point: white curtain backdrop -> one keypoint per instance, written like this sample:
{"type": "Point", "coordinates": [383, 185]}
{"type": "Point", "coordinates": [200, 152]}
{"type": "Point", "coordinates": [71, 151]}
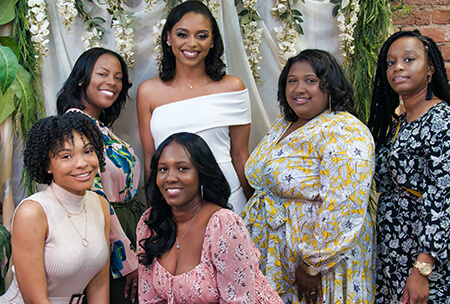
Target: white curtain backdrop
{"type": "Point", "coordinates": [319, 26]}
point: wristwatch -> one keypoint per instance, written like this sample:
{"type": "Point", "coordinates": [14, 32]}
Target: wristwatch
{"type": "Point", "coordinates": [424, 268]}
{"type": "Point", "coordinates": [310, 270]}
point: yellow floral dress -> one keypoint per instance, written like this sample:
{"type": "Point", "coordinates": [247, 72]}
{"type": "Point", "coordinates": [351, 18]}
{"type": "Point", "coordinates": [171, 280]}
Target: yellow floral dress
{"type": "Point", "coordinates": [310, 203]}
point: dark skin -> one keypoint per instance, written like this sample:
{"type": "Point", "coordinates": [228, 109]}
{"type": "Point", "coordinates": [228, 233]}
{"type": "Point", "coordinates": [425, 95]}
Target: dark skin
{"type": "Point", "coordinates": [309, 287]}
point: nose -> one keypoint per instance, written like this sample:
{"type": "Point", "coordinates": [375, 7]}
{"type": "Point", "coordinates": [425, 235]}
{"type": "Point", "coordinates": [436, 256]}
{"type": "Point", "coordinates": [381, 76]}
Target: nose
{"type": "Point", "coordinates": [191, 41]}
{"type": "Point", "coordinates": [80, 161]}
{"type": "Point", "coordinates": [171, 175]}
{"type": "Point", "coordinates": [111, 80]}
{"type": "Point", "coordinates": [398, 66]}
{"type": "Point", "coordinates": [300, 87]}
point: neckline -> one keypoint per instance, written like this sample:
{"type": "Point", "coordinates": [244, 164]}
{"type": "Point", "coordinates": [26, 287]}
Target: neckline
{"type": "Point", "coordinates": [287, 124]}
{"type": "Point", "coordinates": [201, 253]}
{"type": "Point", "coordinates": [198, 97]}
{"type": "Point", "coordinates": [403, 120]}
{"type": "Point", "coordinates": [72, 202]}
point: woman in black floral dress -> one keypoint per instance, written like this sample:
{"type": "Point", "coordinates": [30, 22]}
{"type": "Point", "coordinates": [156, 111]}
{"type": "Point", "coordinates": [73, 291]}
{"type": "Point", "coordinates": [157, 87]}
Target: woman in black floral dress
{"type": "Point", "coordinates": [412, 171]}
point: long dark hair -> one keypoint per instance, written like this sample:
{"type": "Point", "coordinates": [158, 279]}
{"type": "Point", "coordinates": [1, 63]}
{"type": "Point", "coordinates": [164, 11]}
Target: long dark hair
{"type": "Point", "coordinates": [385, 100]}
{"type": "Point", "coordinates": [49, 134]}
{"type": "Point", "coordinates": [215, 190]}
{"type": "Point", "coordinates": [76, 84]}
{"type": "Point", "coordinates": [332, 81]}
{"type": "Point", "coordinates": [214, 66]}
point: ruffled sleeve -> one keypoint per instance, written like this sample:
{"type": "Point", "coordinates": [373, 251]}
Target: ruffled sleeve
{"type": "Point", "coordinates": [234, 257]}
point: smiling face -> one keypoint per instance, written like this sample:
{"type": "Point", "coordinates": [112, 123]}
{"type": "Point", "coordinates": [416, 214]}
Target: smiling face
{"type": "Point", "coordinates": [75, 165]}
{"type": "Point", "coordinates": [191, 39]}
{"type": "Point", "coordinates": [177, 177]}
{"type": "Point", "coordinates": [105, 85]}
{"type": "Point", "coordinates": [303, 93]}
{"type": "Point", "coordinates": [407, 67]}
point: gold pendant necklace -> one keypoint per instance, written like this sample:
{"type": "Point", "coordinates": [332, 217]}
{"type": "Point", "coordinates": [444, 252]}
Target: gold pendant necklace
{"type": "Point", "coordinates": [191, 86]}
{"type": "Point", "coordinates": [196, 212]}
{"type": "Point", "coordinates": [84, 240]}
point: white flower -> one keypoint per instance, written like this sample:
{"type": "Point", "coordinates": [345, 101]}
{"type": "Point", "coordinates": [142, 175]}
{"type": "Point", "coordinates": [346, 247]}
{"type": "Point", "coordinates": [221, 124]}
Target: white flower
{"type": "Point", "coordinates": [37, 19]}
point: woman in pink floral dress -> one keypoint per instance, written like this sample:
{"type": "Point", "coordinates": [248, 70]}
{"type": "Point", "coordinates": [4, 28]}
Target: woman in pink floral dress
{"type": "Point", "coordinates": [192, 249]}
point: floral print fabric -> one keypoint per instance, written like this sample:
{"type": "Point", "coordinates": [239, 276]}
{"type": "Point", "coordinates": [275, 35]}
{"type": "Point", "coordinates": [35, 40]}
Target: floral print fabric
{"type": "Point", "coordinates": [310, 203]}
{"type": "Point", "coordinates": [413, 177]}
{"type": "Point", "coordinates": [228, 271]}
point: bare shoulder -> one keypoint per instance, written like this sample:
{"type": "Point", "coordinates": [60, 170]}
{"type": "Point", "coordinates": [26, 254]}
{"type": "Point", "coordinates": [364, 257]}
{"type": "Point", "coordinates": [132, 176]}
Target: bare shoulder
{"type": "Point", "coordinates": [231, 83]}
{"type": "Point", "coordinates": [30, 214]}
{"type": "Point", "coordinates": [151, 93]}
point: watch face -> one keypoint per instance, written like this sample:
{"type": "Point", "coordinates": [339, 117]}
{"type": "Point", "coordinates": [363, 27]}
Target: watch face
{"type": "Point", "coordinates": [426, 269]}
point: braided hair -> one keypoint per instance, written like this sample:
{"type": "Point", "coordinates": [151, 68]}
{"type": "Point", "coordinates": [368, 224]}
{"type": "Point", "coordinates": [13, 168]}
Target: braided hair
{"type": "Point", "coordinates": [385, 100]}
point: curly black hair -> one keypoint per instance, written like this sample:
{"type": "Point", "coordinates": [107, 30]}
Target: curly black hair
{"type": "Point", "coordinates": [215, 68]}
{"type": "Point", "coordinates": [215, 190]}
{"type": "Point", "coordinates": [76, 84]}
{"type": "Point", "coordinates": [385, 100]}
{"type": "Point", "coordinates": [49, 134]}
{"type": "Point", "coordinates": [332, 81]}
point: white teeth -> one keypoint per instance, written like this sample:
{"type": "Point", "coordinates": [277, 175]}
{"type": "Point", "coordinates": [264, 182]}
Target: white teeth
{"type": "Point", "coordinates": [173, 191]}
{"type": "Point", "coordinates": [82, 175]}
{"type": "Point", "coordinates": [109, 93]}
{"type": "Point", "coordinates": [190, 54]}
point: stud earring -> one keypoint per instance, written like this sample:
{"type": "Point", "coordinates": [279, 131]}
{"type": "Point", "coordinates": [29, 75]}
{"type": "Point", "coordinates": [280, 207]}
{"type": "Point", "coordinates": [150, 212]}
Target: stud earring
{"type": "Point", "coordinates": [212, 45]}
{"type": "Point", "coordinates": [80, 83]}
{"type": "Point", "coordinates": [429, 78]}
{"type": "Point", "coordinates": [168, 44]}
{"type": "Point", "coordinates": [49, 172]}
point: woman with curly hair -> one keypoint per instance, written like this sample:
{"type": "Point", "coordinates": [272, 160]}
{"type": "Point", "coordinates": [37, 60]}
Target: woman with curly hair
{"type": "Point", "coordinates": [412, 171]}
{"type": "Point", "coordinates": [193, 249]}
{"type": "Point", "coordinates": [60, 235]}
{"type": "Point", "coordinates": [312, 174]}
{"type": "Point", "coordinates": [98, 87]}
{"type": "Point", "coordinates": [193, 94]}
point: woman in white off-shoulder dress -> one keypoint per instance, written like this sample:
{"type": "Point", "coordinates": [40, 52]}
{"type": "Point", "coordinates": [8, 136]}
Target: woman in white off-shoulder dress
{"type": "Point", "coordinates": [194, 94]}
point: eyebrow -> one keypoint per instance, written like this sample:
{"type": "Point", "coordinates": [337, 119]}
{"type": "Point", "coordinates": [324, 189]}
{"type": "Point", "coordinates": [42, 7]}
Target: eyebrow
{"type": "Point", "coordinates": [107, 70]}
{"type": "Point", "coordinates": [186, 30]}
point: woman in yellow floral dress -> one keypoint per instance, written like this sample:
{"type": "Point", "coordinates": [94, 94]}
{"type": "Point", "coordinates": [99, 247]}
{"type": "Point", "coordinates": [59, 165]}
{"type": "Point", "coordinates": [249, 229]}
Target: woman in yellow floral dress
{"type": "Point", "coordinates": [312, 174]}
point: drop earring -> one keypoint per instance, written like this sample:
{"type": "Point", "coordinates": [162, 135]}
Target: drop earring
{"type": "Point", "coordinates": [329, 102]}
{"type": "Point", "coordinates": [201, 191]}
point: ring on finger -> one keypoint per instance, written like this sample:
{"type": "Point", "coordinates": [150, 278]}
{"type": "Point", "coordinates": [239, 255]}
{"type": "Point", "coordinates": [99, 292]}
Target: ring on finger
{"type": "Point", "coordinates": [134, 284]}
{"type": "Point", "coordinates": [312, 293]}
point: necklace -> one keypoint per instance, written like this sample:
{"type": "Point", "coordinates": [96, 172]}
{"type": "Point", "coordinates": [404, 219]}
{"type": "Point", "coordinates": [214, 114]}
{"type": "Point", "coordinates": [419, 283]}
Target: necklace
{"type": "Point", "coordinates": [84, 241]}
{"type": "Point", "coordinates": [184, 234]}
{"type": "Point", "coordinates": [191, 86]}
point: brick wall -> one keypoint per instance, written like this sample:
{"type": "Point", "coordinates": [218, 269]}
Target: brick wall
{"type": "Point", "coordinates": [432, 18]}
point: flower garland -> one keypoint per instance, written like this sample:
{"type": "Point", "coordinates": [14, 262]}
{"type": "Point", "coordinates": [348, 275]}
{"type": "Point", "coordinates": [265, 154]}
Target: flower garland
{"type": "Point", "coordinates": [288, 35]}
{"type": "Point", "coordinates": [37, 20]}
{"type": "Point", "coordinates": [347, 17]}
{"type": "Point", "coordinates": [95, 31]}
{"type": "Point", "coordinates": [157, 31]}
{"type": "Point", "coordinates": [122, 24]}
{"type": "Point", "coordinates": [68, 12]}
{"type": "Point", "coordinates": [248, 19]}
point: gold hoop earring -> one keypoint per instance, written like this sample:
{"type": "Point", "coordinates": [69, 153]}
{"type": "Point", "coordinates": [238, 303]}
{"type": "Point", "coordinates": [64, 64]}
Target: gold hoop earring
{"type": "Point", "coordinates": [329, 103]}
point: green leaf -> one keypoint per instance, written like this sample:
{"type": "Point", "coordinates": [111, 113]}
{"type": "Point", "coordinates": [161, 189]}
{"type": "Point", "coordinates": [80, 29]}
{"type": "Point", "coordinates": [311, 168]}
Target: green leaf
{"type": "Point", "coordinates": [5, 243]}
{"type": "Point", "coordinates": [335, 11]}
{"type": "Point", "coordinates": [11, 43]}
{"type": "Point", "coordinates": [335, 1]}
{"type": "Point", "coordinates": [98, 20]}
{"type": "Point", "coordinates": [7, 12]}
{"type": "Point", "coordinates": [236, 2]}
{"type": "Point", "coordinates": [8, 67]}
{"type": "Point", "coordinates": [298, 19]}
{"type": "Point", "coordinates": [7, 102]}
{"type": "Point", "coordinates": [284, 15]}
{"type": "Point", "coordinates": [296, 12]}
{"type": "Point", "coordinates": [298, 28]}
{"type": "Point", "coordinates": [256, 17]}
{"type": "Point", "coordinates": [23, 88]}
{"type": "Point", "coordinates": [243, 12]}
{"type": "Point", "coordinates": [295, 2]}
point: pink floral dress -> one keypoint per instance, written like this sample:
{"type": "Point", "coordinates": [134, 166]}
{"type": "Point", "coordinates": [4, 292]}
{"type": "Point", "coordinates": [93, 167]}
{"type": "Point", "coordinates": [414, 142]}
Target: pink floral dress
{"type": "Point", "coordinates": [228, 271]}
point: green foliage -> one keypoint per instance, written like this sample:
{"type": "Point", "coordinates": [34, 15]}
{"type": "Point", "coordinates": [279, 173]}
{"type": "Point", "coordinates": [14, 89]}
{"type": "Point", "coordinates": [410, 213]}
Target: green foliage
{"type": "Point", "coordinates": [90, 21]}
{"type": "Point", "coordinates": [7, 13]}
{"type": "Point", "coordinates": [8, 68]}
{"type": "Point", "coordinates": [5, 255]}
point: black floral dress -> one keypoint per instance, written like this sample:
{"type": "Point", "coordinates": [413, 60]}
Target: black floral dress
{"type": "Point", "coordinates": [413, 177]}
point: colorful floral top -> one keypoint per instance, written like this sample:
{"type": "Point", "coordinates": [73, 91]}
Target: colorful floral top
{"type": "Point", "coordinates": [118, 182]}
{"type": "Point", "coordinates": [228, 271]}
{"type": "Point", "coordinates": [310, 203]}
{"type": "Point", "coordinates": [413, 177]}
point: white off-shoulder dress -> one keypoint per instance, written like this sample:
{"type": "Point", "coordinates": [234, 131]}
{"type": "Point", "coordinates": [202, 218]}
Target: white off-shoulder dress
{"type": "Point", "coordinates": [210, 117]}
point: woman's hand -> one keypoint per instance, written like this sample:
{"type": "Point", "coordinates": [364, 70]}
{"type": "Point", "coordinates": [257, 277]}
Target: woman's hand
{"type": "Point", "coordinates": [131, 285]}
{"type": "Point", "coordinates": [417, 289]}
{"type": "Point", "coordinates": [309, 287]}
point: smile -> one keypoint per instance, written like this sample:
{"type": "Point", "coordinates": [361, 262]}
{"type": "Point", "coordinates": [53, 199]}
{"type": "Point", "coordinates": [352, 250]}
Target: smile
{"type": "Point", "coordinates": [190, 54]}
{"type": "Point", "coordinates": [173, 191]}
{"type": "Point", "coordinates": [301, 100]}
{"type": "Point", "coordinates": [400, 78]}
{"type": "Point", "coordinates": [107, 93]}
